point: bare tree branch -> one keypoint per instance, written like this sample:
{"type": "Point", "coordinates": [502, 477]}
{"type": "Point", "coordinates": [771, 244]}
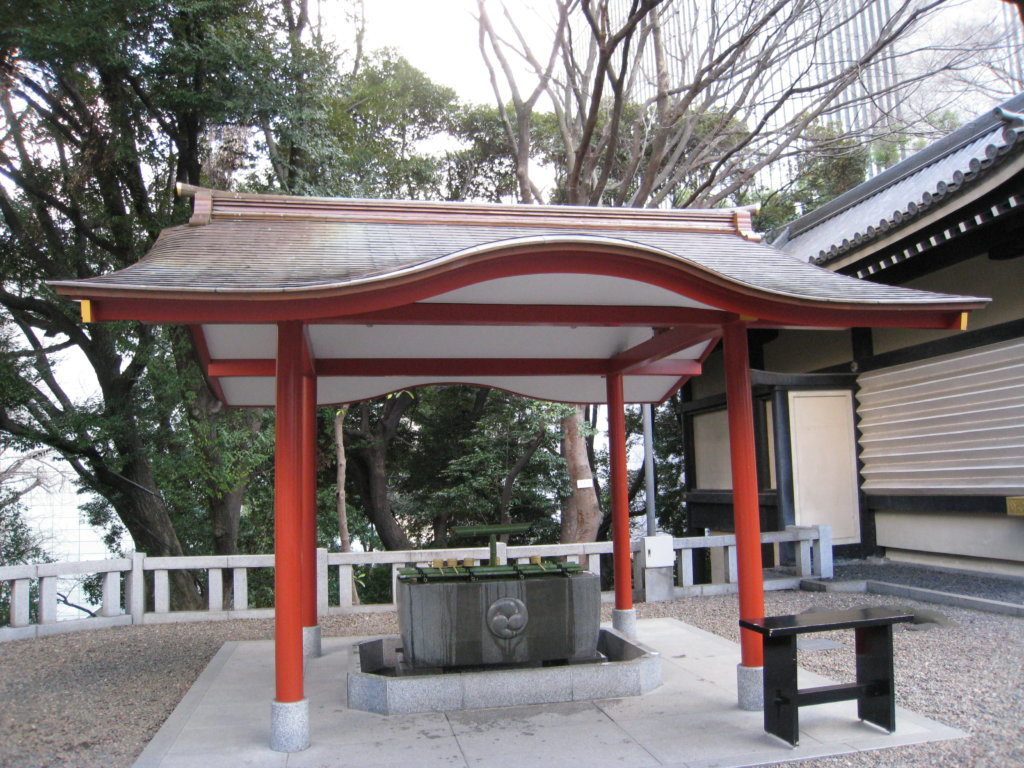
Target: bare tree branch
{"type": "Point", "coordinates": [690, 102]}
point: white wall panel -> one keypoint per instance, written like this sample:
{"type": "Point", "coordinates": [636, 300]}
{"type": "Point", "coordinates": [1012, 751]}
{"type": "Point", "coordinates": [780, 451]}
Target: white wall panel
{"type": "Point", "coordinates": [949, 425]}
{"type": "Point", "coordinates": [824, 462]}
{"type": "Point", "coordinates": [711, 442]}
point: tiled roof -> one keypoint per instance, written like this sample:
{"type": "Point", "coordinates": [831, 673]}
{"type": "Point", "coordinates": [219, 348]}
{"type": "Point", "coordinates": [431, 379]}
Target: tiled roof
{"type": "Point", "coordinates": [260, 244]}
{"type": "Point", "coordinates": [927, 181]}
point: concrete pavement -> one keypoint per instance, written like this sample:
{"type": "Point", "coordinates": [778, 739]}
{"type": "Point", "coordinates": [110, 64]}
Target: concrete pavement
{"type": "Point", "coordinates": [691, 721]}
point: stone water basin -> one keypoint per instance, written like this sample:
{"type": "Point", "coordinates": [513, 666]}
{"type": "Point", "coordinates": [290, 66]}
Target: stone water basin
{"type": "Point", "coordinates": [489, 621]}
{"type": "Point", "coordinates": [621, 667]}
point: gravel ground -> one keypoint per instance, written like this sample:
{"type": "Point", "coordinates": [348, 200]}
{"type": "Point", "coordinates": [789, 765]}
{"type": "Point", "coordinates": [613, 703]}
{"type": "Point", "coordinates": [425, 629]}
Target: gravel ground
{"type": "Point", "coordinates": [1005, 588]}
{"type": "Point", "coordinates": [94, 699]}
{"type": "Point", "coordinates": [965, 669]}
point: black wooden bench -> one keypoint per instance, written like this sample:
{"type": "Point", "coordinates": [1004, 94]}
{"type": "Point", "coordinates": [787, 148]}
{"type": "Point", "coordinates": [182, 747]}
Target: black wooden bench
{"type": "Point", "coordinates": [873, 690]}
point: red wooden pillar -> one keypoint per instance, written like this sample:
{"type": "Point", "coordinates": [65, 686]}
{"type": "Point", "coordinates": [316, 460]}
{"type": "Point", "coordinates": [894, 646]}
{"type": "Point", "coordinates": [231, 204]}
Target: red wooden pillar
{"type": "Point", "coordinates": [309, 615]}
{"type": "Point", "coordinates": [620, 494]}
{"type": "Point", "coordinates": [746, 510]}
{"type": "Point", "coordinates": [288, 515]}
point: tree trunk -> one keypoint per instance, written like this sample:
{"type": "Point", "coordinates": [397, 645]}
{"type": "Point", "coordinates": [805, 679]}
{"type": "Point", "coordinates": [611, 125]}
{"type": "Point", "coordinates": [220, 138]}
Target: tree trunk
{"type": "Point", "coordinates": [339, 452]}
{"type": "Point", "coordinates": [226, 511]}
{"type": "Point", "coordinates": [341, 500]}
{"type": "Point", "coordinates": [370, 472]}
{"type": "Point", "coordinates": [144, 514]}
{"type": "Point", "coordinates": [440, 527]}
{"type": "Point", "coordinates": [591, 416]}
{"type": "Point", "coordinates": [582, 515]}
{"type": "Point", "coordinates": [508, 484]}
{"type": "Point", "coordinates": [367, 457]}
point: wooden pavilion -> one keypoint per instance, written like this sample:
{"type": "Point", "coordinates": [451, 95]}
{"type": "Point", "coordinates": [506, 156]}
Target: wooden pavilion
{"type": "Point", "coordinates": [299, 302]}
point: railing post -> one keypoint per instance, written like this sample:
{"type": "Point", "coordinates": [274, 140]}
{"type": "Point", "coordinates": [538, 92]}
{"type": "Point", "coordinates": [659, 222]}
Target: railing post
{"type": "Point", "coordinates": [823, 552]}
{"type": "Point", "coordinates": [638, 573]}
{"type": "Point", "coordinates": [502, 551]}
{"type": "Point", "coordinates": [111, 594]}
{"type": "Point", "coordinates": [239, 588]}
{"type": "Point", "coordinates": [136, 588]}
{"type": "Point", "coordinates": [594, 564]}
{"type": "Point", "coordinates": [730, 565]}
{"type": "Point", "coordinates": [804, 558]}
{"type": "Point", "coordinates": [215, 588]}
{"type": "Point", "coordinates": [20, 590]}
{"type": "Point", "coordinates": [345, 573]}
{"type": "Point", "coordinates": [321, 582]}
{"type": "Point", "coordinates": [394, 582]}
{"type": "Point", "coordinates": [161, 592]}
{"type": "Point", "coordinates": [48, 600]}
{"type": "Point", "coordinates": [684, 559]}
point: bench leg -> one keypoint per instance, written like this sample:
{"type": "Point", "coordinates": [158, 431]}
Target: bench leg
{"type": "Point", "coordinates": [781, 713]}
{"type": "Point", "coordinates": [875, 670]}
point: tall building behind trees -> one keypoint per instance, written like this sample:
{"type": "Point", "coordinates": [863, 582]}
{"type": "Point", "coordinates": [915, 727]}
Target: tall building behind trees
{"type": "Point", "coordinates": [835, 59]}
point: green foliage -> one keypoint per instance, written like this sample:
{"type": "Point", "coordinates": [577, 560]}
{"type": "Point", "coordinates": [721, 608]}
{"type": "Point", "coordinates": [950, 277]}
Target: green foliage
{"type": "Point", "coordinates": [668, 466]}
{"type": "Point", "coordinates": [19, 545]}
{"type": "Point", "coordinates": [886, 153]}
{"type": "Point", "coordinates": [828, 164]}
{"type": "Point", "coordinates": [456, 449]}
{"type": "Point", "coordinates": [198, 459]}
{"type": "Point", "coordinates": [482, 168]}
{"type": "Point", "coordinates": [386, 112]}
{"type": "Point", "coordinates": [365, 133]}
{"type": "Point", "coordinates": [373, 583]}
{"type": "Point", "coordinates": [701, 136]}
{"type": "Point", "coordinates": [889, 151]}
{"type": "Point", "coordinates": [105, 105]}
{"type": "Point", "coordinates": [457, 476]}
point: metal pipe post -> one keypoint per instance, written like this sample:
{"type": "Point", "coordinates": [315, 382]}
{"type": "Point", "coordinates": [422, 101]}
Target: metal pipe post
{"type": "Point", "coordinates": [648, 418]}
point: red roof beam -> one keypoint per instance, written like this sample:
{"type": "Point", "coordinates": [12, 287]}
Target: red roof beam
{"type": "Point", "coordinates": [309, 364]}
{"type": "Point", "coordinates": [661, 346]}
{"type": "Point", "coordinates": [203, 352]}
{"type": "Point", "coordinates": [315, 310]}
{"type": "Point", "coordinates": [456, 367]}
{"type": "Point", "coordinates": [608, 316]}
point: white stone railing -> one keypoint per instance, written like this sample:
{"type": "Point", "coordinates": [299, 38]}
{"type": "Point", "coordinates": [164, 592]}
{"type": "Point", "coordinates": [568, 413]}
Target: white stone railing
{"type": "Point", "coordinates": [125, 580]}
{"type": "Point", "coordinates": [813, 558]}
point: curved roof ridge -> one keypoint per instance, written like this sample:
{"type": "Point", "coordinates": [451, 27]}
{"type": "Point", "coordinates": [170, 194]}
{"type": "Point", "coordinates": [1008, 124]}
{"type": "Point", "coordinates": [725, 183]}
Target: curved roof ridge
{"type": "Point", "coordinates": [211, 204]}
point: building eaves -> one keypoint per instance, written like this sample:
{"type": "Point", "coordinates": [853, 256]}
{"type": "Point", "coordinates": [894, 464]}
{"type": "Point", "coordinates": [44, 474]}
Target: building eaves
{"type": "Point", "coordinates": [929, 180]}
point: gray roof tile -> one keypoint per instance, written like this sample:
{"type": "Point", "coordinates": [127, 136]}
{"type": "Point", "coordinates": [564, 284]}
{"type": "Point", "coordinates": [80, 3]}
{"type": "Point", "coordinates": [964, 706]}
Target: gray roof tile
{"type": "Point", "coordinates": [930, 179]}
{"type": "Point", "coordinates": [232, 253]}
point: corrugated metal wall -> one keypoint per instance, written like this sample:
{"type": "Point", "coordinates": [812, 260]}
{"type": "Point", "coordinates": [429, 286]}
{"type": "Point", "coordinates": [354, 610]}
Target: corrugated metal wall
{"type": "Point", "coordinates": [949, 425]}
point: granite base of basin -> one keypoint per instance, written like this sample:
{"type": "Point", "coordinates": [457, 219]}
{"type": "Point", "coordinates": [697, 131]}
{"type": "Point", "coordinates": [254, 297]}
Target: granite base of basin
{"type": "Point", "coordinates": [627, 668]}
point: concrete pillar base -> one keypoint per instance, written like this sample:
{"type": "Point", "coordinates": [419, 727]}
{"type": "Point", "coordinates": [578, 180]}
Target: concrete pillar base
{"type": "Point", "coordinates": [289, 725]}
{"type": "Point", "coordinates": [311, 648]}
{"type": "Point", "coordinates": [625, 622]}
{"type": "Point", "coordinates": [659, 585]}
{"type": "Point", "coordinates": [750, 687]}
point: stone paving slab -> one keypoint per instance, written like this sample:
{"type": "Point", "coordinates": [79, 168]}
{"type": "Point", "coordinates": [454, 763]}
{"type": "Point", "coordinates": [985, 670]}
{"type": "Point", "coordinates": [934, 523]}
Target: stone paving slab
{"type": "Point", "coordinates": [691, 721]}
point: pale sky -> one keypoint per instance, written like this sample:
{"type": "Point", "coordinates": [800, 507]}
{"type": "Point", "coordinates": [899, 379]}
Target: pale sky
{"type": "Point", "coordinates": [438, 37]}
